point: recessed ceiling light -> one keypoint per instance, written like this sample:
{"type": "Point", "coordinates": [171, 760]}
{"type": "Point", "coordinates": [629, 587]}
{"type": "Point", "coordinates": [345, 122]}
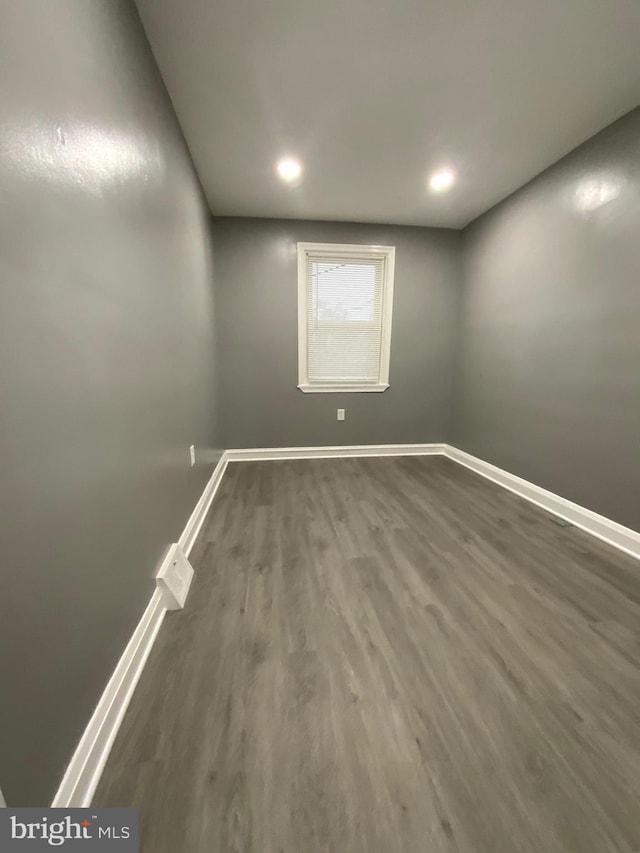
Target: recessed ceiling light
{"type": "Point", "coordinates": [289, 169]}
{"type": "Point", "coordinates": [442, 180]}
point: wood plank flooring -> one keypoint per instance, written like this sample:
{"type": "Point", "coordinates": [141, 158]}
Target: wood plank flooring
{"type": "Point", "coordinates": [383, 655]}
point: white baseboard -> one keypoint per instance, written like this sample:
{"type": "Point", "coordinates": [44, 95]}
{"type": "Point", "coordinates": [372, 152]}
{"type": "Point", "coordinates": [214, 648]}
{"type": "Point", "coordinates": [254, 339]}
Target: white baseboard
{"type": "Point", "coordinates": [87, 763]}
{"type": "Point", "coordinates": [615, 534]}
{"type": "Point", "coordinates": [611, 532]}
{"type": "Point", "coordinates": [84, 770]}
{"type": "Point", "coordinates": [192, 527]}
{"type": "Point", "coordinates": [332, 452]}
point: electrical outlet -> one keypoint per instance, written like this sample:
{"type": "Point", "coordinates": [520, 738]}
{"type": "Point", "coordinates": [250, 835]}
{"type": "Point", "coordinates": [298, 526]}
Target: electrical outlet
{"type": "Point", "coordinates": [192, 454]}
{"type": "Point", "coordinates": [341, 414]}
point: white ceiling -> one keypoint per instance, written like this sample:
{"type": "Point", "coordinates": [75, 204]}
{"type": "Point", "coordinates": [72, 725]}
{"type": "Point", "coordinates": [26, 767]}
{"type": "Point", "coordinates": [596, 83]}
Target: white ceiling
{"type": "Point", "coordinates": [372, 95]}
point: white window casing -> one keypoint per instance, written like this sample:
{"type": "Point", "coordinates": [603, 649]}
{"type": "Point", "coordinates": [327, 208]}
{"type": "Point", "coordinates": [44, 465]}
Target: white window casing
{"type": "Point", "coordinates": [345, 302]}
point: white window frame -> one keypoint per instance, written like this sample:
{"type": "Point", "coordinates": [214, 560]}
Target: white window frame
{"type": "Point", "coordinates": [349, 252]}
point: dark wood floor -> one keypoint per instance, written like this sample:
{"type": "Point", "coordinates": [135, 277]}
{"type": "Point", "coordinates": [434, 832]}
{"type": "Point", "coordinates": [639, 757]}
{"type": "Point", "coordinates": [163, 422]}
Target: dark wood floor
{"type": "Point", "coordinates": [383, 655]}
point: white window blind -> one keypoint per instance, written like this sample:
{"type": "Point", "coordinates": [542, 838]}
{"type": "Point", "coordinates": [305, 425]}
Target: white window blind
{"type": "Point", "coordinates": [345, 299]}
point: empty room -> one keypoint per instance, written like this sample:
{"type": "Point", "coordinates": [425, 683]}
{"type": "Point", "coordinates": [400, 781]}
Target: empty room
{"type": "Point", "coordinates": [320, 426]}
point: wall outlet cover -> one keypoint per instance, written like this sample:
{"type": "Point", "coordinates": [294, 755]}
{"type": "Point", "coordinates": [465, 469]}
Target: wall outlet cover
{"type": "Point", "coordinates": [174, 578]}
{"type": "Point", "coordinates": [341, 413]}
{"type": "Point", "coordinates": [192, 454]}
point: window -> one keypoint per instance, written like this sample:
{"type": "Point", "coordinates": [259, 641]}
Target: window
{"type": "Point", "coordinates": [345, 297]}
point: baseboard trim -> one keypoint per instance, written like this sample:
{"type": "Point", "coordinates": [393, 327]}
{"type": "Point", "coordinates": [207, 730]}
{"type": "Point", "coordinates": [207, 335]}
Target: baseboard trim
{"type": "Point", "coordinates": [197, 517]}
{"type": "Point", "coordinates": [84, 770]}
{"type": "Point", "coordinates": [332, 452]}
{"type": "Point", "coordinates": [87, 763]}
{"type": "Point", "coordinates": [603, 528]}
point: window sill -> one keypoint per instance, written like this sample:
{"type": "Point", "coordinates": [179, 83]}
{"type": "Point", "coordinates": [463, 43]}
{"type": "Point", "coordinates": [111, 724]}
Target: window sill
{"type": "Point", "coordinates": [343, 389]}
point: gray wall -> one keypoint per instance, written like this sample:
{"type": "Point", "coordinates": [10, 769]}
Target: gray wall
{"type": "Point", "coordinates": [548, 385]}
{"type": "Point", "coordinates": [106, 363]}
{"type": "Point", "coordinates": [257, 333]}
